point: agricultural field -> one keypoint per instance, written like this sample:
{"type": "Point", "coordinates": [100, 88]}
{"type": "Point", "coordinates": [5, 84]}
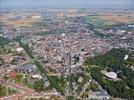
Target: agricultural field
{"type": "Point", "coordinates": [103, 20]}
{"type": "Point", "coordinates": [15, 20]}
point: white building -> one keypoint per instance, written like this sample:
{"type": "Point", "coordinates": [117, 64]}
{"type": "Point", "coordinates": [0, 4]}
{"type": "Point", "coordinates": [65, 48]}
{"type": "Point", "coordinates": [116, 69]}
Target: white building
{"type": "Point", "coordinates": [36, 17]}
{"type": "Point", "coordinates": [111, 75]}
{"type": "Point", "coordinates": [37, 76]}
{"type": "Point", "coordinates": [125, 57]}
{"type": "Point", "coordinates": [19, 49]}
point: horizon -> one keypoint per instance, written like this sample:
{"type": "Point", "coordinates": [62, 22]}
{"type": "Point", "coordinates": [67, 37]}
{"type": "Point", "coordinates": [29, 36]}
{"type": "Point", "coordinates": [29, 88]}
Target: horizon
{"type": "Point", "coordinates": [96, 4]}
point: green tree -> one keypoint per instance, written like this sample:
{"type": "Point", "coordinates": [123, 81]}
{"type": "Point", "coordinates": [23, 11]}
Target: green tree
{"type": "Point", "coordinates": [39, 86]}
{"type": "Point", "coordinates": [2, 90]}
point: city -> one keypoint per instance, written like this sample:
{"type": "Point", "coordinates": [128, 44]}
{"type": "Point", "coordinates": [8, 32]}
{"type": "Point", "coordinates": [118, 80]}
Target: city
{"type": "Point", "coordinates": [66, 54]}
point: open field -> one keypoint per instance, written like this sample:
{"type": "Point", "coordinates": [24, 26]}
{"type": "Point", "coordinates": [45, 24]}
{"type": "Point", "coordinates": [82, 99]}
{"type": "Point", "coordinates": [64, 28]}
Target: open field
{"type": "Point", "coordinates": [110, 19]}
{"type": "Point", "coordinates": [16, 20]}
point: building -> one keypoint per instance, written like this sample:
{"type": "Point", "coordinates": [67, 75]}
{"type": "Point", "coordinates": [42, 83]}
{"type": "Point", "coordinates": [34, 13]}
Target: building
{"type": "Point", "coordinates": [26, 68]}
{"type": "Point", "coordinates": [19, 49]}
{"type": "Point", "coordinates": [11, 75]}
{"type": "Point", "coordinates": [111, 75]}
{"type": "Point", "coordinates": [37, 76]}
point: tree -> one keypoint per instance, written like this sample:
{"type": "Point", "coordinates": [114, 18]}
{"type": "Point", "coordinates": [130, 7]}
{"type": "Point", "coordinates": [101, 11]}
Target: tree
{"type": "Point", "coordinates": [39, 86]}
{"type": "Point", "coordinates": [94, 86]}
{"type": "Point", "coordinates": [70, 97]}
{"type": "Point", "coordinates": [57, 83]}
{"type": "Point", "coordinates": [114, 61]}
{"type": "Point", "coordinates": [2, 90]}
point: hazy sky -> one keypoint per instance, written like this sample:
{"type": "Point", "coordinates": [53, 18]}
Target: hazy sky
{"type": "Point", "coordinates": [127, 4]}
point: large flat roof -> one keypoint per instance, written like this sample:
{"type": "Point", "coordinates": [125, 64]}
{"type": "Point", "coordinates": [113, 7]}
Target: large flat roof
{"type": "Point", "coordinates": [111, 75]}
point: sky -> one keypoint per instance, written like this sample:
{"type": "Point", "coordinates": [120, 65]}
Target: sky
{"type": "Point", "coordinates": [8, 4]}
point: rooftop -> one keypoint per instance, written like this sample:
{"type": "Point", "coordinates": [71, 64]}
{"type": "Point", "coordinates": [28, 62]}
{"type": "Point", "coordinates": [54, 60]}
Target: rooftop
{"type": "Point", "coordinates": [111, 75]}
